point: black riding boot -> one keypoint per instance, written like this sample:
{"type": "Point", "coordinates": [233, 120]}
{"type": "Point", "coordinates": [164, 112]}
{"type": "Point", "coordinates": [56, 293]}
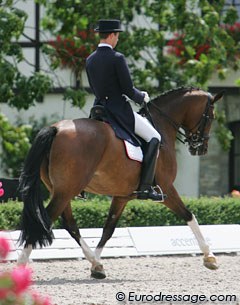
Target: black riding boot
{"type": "Point", "coordinates": [146, 190]}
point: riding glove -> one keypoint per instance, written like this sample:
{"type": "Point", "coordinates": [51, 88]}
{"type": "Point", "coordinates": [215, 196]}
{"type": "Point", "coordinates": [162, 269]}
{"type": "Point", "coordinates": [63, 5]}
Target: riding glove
{"type": "Point", "coordinates": [146, 97]}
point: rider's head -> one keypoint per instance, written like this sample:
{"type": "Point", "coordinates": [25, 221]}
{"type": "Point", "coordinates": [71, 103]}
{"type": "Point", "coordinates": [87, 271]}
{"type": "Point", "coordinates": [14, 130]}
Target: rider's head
{"type": "Point", "coordinates": [109, 31]}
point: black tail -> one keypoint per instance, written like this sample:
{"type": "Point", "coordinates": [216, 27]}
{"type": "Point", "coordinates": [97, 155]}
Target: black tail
{"type": "Point", "coordinates": [36, 224]}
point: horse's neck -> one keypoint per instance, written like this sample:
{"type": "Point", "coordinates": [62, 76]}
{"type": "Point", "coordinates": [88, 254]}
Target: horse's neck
{"type": "Point", "coordinates": [168, 117]}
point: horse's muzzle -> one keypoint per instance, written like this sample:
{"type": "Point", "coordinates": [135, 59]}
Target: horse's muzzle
{"type": "Point", "coordinates": [198, 151]}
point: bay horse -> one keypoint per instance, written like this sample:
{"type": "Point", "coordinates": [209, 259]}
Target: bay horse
{"type": "Point", "coordinates": [84, 154]}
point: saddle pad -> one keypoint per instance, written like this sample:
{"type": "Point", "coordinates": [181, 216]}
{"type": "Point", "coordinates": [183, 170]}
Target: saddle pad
{"type": "Point", "coordinates": [133, 152]}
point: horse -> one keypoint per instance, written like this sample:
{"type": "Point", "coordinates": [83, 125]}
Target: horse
{"type": "Point", "coordinates": [84, 154]}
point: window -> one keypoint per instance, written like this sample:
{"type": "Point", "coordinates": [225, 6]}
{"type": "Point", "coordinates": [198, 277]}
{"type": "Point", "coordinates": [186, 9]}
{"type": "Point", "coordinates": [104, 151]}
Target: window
{"type": "Point", "coordinates": [234, 169]}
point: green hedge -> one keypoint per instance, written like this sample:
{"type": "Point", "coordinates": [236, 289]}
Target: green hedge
{"type": "Point", "coordinates": [92, 213]}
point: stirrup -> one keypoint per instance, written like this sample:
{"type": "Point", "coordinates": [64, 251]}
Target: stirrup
{"type": "Point", "coordinates": [147, 194]}
{"type": "Point", "coordinates": [158, 189]}
{"type": "Point", "coordinates": [81, 196]}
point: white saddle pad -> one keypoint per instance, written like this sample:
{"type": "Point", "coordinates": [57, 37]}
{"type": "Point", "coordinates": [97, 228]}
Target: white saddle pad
{"type": "Point", "coordinates": [133, 152]}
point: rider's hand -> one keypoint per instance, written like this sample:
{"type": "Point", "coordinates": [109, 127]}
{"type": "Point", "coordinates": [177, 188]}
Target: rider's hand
{"type": "Point", "coordinates": [146, 97]}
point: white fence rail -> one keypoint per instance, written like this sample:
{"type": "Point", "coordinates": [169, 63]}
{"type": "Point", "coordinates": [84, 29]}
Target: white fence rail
{"type": "Point", "coordinates": [135, 241]}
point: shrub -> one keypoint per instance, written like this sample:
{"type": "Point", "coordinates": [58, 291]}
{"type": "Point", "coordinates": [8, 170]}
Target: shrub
{"type": "Point", "coordinates": [93, 213]}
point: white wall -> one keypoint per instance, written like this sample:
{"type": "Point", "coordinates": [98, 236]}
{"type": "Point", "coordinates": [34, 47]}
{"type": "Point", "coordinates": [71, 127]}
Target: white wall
{"type": "Point", "coordinates": [53, 105]}
{"type": "Point", "coordinates": [229, 81]}
{"type": "Point", "coordinates": [187, 180]}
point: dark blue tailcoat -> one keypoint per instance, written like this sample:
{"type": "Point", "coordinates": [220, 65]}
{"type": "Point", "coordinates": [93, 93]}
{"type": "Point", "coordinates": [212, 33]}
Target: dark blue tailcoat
{"type": "Point", "coordinates": [110, 80]}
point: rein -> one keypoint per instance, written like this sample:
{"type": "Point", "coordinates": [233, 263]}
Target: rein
{"type": "Point", "coordinates": [194, 139]}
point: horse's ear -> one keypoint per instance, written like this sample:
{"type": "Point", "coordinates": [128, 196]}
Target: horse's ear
{"type": "Point", "coordinates": [218, 96]}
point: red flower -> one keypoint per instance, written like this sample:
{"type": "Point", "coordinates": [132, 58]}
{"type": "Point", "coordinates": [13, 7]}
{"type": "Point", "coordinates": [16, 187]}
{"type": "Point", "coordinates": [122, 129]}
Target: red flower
{"type": "Point", "coordinates": [40, 300]}
{"type": "Point", "coordinates": [1, 190]}
{"type": "Point", "coordinates": [202, 49]}
{"type": "Point", "coordinates": [14, 288]}
{"type": "Point", "coordinates": [46, 301]}
{"type": "Point", "coordinates": [233, 30]}
{"type": "Point", "coordinates": [4, 247]}
{"type": "Point", "coordinates": [22, 279]}
{"type": "Point", "coordinates": [70, 53]}
{"type": "Point", "coordinates": [176, 47]}
{"type": "Point", "coordinates": [3, 293]}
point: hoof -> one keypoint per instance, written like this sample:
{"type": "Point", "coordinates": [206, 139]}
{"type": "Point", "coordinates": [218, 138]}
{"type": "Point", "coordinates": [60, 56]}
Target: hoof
{"type": "Point", "coordinates": [98, 272]}
{"type": "Point", "coordinates": [210, 263]}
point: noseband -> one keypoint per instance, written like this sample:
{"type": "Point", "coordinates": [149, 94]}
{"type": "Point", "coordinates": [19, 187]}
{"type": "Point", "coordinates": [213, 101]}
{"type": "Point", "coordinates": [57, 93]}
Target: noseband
{"type": "Point", "coordinates": [196, 138]}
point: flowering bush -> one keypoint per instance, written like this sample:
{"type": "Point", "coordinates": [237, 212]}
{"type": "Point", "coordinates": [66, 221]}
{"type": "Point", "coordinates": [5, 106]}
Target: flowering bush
{"type": "Point", "coordinates": [73, 51]}
{"type": "Point", "coordinates": [233, 30]}
{"type": "Point", "coordinates": [14, 284]}
{"type": "Point", "coordinates": [176, 47]}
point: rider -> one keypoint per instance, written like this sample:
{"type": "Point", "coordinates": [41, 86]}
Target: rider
{"type": "Point", "coordinates": [110, 81]}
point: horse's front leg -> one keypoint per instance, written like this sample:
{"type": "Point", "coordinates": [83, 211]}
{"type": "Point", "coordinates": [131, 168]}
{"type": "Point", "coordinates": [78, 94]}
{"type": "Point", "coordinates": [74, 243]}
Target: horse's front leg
{"type": "Point", "coordinates": [175, 203]}
{"type": "Point", "coordinates": [117, 206]}
{"type": "Point", "coordinates": [209, 259]}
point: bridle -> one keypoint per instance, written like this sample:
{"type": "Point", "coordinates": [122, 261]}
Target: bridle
{"type": "Point", "coordinates": [196, 138]}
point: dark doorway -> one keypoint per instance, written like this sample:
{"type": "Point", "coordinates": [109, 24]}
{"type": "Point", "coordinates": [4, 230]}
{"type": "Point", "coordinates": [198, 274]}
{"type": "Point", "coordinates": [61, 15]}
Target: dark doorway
{"type": "Point", "coordinates": [234, 160]}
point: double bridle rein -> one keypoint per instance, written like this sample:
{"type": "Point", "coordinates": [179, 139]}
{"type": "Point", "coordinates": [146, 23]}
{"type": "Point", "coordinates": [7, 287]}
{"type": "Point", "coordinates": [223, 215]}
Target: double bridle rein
{"type": "Point", "coordinates": [196, 138]}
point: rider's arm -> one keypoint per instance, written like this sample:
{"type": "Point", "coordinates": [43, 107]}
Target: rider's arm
{"type": "Point", "coordinates": [125, 80]}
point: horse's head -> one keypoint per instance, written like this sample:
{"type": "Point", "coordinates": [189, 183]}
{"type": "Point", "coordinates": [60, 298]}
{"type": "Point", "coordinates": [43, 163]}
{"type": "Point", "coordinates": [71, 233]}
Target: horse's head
{"type": "Point", "coordinates": [202, 115]}
{"type": "Point", "coordinates": [189, 109]}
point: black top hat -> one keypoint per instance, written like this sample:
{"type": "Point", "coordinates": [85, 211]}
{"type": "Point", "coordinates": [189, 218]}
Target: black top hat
{"type": "Point", "coordinates": [108, 26]}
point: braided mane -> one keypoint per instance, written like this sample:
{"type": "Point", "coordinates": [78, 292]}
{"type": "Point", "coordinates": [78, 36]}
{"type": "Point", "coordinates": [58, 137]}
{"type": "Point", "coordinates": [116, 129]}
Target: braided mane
{"type": "Point", "coordinates": [176, 90]}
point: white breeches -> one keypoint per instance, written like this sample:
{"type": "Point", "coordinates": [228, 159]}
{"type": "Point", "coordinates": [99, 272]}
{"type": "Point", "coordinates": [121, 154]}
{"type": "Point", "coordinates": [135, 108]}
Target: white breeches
{"type": "Point", "coordinates": [144, 129]}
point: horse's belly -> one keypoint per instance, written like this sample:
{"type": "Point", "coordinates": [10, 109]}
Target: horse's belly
{"type": "Point", "coordinates": [120, 178]}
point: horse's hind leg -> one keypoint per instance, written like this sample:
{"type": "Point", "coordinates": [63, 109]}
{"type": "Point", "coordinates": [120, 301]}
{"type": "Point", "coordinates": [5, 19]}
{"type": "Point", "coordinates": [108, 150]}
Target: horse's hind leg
{"type": "Point", "coordinates": [175, 203]}
{"type": "Point", "coordinates": [23, 258]}
{"type": "Point", "coordinates": [54, 209]}
{"type": "Point", "coordinates": [70, 225]}
{"type": "Point", "coordinates": [115, 212]}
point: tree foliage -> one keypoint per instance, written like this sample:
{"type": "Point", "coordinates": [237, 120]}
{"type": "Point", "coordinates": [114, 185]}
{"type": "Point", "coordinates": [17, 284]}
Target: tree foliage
{"type": "Point", "coordinates": [16, 88]}
{"type": "Point", "coordinates": [15, 145]}
{"type": "Point", "coordinates": [149, 26]}
{"type": "Point", "coordinates": [152, 30]}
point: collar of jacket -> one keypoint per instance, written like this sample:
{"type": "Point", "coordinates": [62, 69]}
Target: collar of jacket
{"type": "Point", "coordinates": [101, 45]}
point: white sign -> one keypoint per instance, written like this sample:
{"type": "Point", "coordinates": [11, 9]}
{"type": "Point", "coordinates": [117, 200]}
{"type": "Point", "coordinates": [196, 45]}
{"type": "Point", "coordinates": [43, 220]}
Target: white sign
{"type": "Point", "coordinates": [180, 239]}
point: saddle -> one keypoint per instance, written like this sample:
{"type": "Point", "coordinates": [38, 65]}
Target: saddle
{"type": "Point", "coordinates": [100, 113]}
{"type": "Point", "coordinates": [134, 152]}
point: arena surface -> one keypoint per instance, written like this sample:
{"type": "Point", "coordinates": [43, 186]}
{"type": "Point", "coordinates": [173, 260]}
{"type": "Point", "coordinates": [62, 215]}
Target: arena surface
{"type": "Point", "coordinates": [143, 280]}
